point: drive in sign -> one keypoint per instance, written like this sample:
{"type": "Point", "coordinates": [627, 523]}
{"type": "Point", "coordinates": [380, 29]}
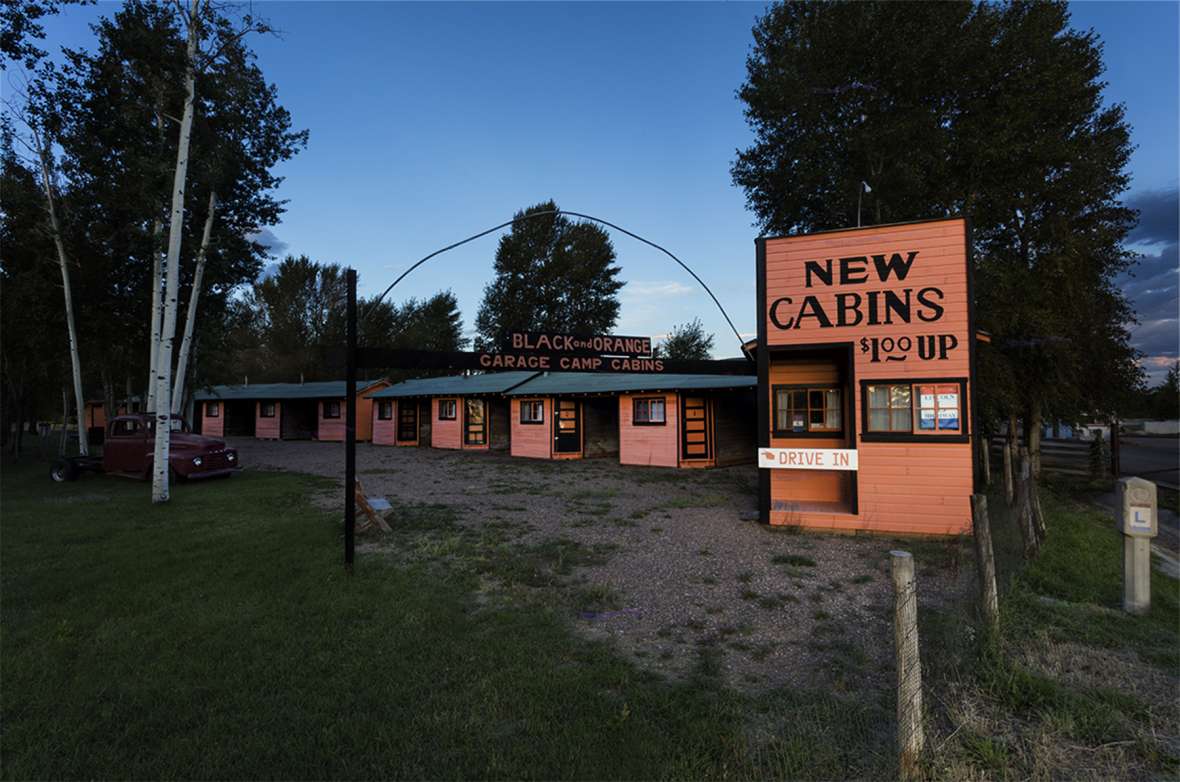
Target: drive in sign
{"type": "Point", "coordinates": [807, 458]}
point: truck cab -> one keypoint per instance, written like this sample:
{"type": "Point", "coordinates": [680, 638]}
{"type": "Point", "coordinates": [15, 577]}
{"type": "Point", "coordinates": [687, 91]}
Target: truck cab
{"type": "Point", "coordinates": [129, 449]}
{"type": "Point", "coordinates": [130, 446]}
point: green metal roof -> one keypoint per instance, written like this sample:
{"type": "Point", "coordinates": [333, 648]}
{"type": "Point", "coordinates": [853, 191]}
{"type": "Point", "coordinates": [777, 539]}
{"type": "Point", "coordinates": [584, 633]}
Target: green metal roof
{"type": "Point", "coordinates": [456, 385]}
{"type": "Point", "coordinates": [324, 389]}
{"type": "Point", "coordinates": [556, 383]}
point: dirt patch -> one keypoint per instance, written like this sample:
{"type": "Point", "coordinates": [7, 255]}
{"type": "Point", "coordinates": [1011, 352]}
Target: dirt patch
{"type": "Point", "coordinates": [690, 580]}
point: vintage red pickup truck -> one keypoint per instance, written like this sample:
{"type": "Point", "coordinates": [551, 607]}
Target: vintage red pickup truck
{"type": "Point", "coordinates": [129, 450]}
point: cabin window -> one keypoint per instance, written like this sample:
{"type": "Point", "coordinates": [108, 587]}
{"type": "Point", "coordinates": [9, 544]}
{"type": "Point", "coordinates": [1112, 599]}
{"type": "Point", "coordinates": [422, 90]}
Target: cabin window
{"type": "Point", "coordinates": [799, 409]}
{"type": "Point", "coordinates": [914, 408]}
{"type": "Point", "coordinates": [648, 411]}
{"type": "Point", "coordinates": [266, 410]}
{"type": "Point", "coordinates": [332, 409]}
{"type": "Point", "coordinates": [447, 409]}
{"type": "Point", "coordinates": [385, 409]}
{"type": "Point", "coordinates": [891, 408]}
{"type": "Point", "coordinates": [532, 411]}
{"type": "Point", "coordinates": [212, 409]}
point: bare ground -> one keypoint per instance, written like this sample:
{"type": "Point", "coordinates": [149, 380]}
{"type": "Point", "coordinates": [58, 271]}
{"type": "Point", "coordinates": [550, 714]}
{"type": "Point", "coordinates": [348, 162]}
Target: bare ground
{"type": "Point", "coordinates": [689, 571]}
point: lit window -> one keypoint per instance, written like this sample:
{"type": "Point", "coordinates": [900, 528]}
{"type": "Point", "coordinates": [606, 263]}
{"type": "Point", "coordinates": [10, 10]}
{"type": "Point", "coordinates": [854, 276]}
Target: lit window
{"type": "Point", "coordinates": [446, 409]}
{"type": "Point", "coordinates": [532, 411]}
{"type": "Point", "coordinates": [648, 411]}
{"type": "Point", "coordinates": [891, 408]}
{"type": "Point", "coordinates": [799, 410]}
{"type": "Point", "coordinates": [332, 409]}
{"type": "Point", "coordinates": [212, 409]}
{"type": "Point", "coordinates": [385, 409]}
{"type": "Point", "coordinates": [266, 410]}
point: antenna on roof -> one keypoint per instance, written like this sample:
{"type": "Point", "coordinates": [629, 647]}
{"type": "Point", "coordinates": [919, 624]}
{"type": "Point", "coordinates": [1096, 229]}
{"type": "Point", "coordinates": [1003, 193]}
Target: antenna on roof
{"type": "Point", "coordinates": [300, 378]}
{"type": "Point", "coordinates": [246, 378]}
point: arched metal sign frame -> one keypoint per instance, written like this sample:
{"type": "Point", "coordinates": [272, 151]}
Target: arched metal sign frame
{"type": "Point", "coordinates": [356, 358]}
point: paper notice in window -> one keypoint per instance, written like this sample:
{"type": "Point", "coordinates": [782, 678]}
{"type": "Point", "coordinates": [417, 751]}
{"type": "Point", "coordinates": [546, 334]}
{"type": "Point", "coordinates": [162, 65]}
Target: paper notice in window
{"type": "Point", "coordinates": [926, 400]}
{"type": "Point", "coordinates": [948, 419]}
{"type": "Point", "coordinates": [948, 400]}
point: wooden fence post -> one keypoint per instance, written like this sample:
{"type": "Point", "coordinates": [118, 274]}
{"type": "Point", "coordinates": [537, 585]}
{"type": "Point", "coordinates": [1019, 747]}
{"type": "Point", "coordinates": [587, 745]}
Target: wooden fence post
{"type": "Point", "coordinates": [986, 460]}
{"type": "Point", "coordinates": [986, 561]}
{"type": "Point", "coordinates": [910, 735]}
{"type": "Point", "coordinates": [1009, 483]}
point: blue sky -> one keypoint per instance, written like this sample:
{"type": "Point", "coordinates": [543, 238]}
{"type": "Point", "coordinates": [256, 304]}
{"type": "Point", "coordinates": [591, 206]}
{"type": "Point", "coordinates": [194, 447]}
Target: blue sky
{"type": "Point", "coordinates": [430, 122]}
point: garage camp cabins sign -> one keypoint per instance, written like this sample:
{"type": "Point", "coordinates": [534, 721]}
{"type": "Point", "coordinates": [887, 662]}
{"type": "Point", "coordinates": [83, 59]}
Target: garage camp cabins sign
{"type": "Point", "coordinates": [553, 352]}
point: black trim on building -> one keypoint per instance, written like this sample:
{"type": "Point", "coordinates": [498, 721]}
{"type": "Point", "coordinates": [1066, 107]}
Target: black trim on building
{"type": "Point", "coordinates": [762, 355]}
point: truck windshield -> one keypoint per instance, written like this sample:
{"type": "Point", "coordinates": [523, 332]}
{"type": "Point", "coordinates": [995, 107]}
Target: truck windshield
{"type": "Point", "coordinates": [176, 423]}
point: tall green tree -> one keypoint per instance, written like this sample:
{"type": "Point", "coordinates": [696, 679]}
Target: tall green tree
{"type": "Point", "coordinates": [992, 111]}
{"type": "Point", "coordinates": [285, 326]}
{"type": "Point", "coordinates": [552, 274]}
{"type": "Point", "coordinates": [687, 341]}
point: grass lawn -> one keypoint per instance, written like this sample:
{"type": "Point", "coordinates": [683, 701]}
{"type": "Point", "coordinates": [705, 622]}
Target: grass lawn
{"type": "Point", "coordinates": [218, 637]}
{"type": "Point", "coordinates": [1074, 687]}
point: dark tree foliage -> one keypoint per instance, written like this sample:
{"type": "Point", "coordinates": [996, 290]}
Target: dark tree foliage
{"type": "Point", "coordinates": [32, 352]}
{"type": "Point", "coordinates": [991, 111]}
{"type": "Point", "coordinates": [552, 274]}
{"type": "Point", "coordinates": [687, 341]}
{"type": "Point", "coordinates": [1161, 402]}
{"type": "Point", "coordinates": [20, 25]}
{"type": "Point", "coordinates": [285, 325]}
{"type": "Point", "coordinates": [112, 112]}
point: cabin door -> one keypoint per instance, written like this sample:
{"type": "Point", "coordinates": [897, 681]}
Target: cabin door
{"type": "Point", "coordinates": [695, 435]}
{"type": "Point", "coordinates": [407, 421]}
{"type": "Point", "coordinates": [567, 426]}
{"type": "Point", "coordinates": [475, 422]}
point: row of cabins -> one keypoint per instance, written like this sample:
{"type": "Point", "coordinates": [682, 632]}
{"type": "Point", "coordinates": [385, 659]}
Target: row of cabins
{"type": "Point", "coordinates": [658, 420]}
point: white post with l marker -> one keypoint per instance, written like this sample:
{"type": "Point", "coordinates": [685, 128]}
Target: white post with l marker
{"type": "Point", "coordinates": [1137, 519]}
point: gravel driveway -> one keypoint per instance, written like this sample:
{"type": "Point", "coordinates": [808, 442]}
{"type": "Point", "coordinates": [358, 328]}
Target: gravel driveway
{"type": "Point", "coordinates": [695, 580]}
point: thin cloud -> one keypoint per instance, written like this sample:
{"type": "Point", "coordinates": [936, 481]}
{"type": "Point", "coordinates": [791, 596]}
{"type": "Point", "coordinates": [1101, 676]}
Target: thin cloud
{"type": "Point", "coordinates": [655, 289]}
{"type": "Point", "coordinates": [266, 237]}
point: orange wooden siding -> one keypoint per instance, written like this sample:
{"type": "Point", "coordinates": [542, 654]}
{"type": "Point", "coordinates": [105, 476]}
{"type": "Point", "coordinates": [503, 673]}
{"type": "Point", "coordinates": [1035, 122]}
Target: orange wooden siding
{"type": "Point", "coordinates": [96, 415]}
{"type": "Point", "coordinates": [902, 487]}
{"type": "Point", "coordinates": [213, 426]}
{"type": "Point", "coordinates": [332, 429]}
{"type": "Point", "coordinates": [268, 428]}
{"type": "Point", "coordinates": [534, 441]}
{"type": "Point", "coordinates": [447, 434]}
{"type": "Point", "coordinates": [657, 446]}
{"type": "Point", "coordinates": [329, 429]}
{"type": "Point", "coordinates": [385, 430]}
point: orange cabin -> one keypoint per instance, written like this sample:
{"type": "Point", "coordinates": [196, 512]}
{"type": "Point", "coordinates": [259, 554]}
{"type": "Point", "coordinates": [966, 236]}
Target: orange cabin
{"type": "Point", "coordinates": [467, 412]}
{"type": "Point", "coordinates": [283, 411]}
{"type": "Point", "coordinates": [866, 366]}
{"type": "Point", "coordinates": [652, 420]}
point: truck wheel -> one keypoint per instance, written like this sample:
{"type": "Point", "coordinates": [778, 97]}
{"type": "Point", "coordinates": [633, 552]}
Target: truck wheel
{"type": "Point", "coordinates": [63, 470]}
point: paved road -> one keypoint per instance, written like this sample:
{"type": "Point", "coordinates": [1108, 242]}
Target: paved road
{"type": "Point", "coordinates": [1154, 458]}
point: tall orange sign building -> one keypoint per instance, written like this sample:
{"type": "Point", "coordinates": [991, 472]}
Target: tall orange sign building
{"type": "Point", "coordinates": [866, 363]}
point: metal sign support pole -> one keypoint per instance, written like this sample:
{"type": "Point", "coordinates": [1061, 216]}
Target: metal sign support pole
{"type": "Point", "coordinates": [350, 426]}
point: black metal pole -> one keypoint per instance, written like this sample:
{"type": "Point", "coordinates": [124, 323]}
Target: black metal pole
{"type": "Point", "coordinates": [350, 426]}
